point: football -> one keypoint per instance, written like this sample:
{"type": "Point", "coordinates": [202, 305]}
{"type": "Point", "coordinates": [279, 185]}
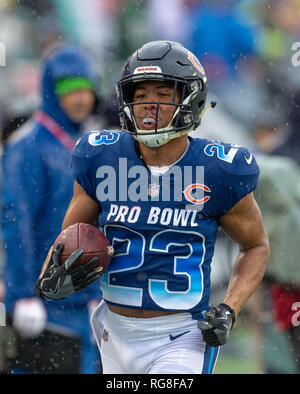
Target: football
{"type": "Point", "coordinates": [93, 242]}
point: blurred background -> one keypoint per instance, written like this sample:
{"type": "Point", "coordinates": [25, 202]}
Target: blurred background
{"type": "Point", "coordinates": [247, 48]}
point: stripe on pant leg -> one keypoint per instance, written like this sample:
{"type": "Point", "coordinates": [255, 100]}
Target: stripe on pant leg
{"type": "Point", "coordinates": [210, 358]}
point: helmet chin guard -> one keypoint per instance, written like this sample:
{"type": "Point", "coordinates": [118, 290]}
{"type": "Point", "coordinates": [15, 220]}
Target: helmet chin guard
{"type": "Point", "coordinates": [156, 137]}
{"type": "Point", "coordinates": [169, 62]}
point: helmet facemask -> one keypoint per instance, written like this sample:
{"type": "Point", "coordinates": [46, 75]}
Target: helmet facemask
{"type": "Point", "coordinates": [186, 115]}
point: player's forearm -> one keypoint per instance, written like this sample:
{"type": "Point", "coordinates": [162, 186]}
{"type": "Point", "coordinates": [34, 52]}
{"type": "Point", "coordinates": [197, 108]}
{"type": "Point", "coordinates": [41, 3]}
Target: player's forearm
{"type": "Point", "coordinates": [80, 213]}
{"type": "Point", "coordinates": [247, 274]}
{"type": "Point", "coordinates": [82, 209]}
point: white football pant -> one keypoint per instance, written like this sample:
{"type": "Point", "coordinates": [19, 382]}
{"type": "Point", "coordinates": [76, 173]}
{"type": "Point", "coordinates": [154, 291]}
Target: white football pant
{"type": "Point", "coordinates": [170, 344]}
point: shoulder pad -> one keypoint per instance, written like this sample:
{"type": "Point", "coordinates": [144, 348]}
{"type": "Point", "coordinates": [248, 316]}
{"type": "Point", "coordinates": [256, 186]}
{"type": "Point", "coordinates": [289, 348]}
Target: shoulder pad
{"type": "Point", "coordinates": [232, 158]}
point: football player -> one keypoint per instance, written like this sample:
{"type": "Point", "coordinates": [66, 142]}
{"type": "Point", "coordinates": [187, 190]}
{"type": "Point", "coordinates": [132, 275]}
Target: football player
{"type": "Point", "coordinates": [159, 196]}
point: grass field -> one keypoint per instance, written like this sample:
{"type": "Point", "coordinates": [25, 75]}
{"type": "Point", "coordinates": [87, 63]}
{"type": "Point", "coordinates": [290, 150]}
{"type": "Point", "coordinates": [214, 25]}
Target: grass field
{"type": "Point", "coordinates": [236, 365]}
{"type": "Point", "coordinates": [240, 354]}
{"type": "Point", "coordinates": [246, 353]}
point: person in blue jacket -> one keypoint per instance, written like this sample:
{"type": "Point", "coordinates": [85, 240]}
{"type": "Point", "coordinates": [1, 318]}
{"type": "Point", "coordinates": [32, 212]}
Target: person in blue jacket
{"type": "Point", "coordinates": [37, 186]}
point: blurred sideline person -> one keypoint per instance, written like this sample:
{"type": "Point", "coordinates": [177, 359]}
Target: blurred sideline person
{"type": "Point", "coordinates": [37, 187]}
{"type": "Point", "coordinates": [278, 195]}
{"type": "Point", "coordinates": [162, 218]}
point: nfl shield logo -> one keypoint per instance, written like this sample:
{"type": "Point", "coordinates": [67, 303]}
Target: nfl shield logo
{"type": "Point", "coordinates": [153, 190]}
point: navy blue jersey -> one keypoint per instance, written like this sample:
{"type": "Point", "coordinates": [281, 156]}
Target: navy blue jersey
{"type": "Point", "coordinates": [163, 228]}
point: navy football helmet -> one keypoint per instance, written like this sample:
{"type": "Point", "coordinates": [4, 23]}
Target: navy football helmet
{"type": "Point", "coordinates": [168, 61]}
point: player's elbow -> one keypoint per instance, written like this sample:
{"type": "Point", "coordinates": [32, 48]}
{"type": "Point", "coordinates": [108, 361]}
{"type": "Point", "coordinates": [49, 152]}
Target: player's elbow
{"type": "Point", "coordinates": [259, 253]}
{"type": "Point", "coordinates": [266, 247]}
{"type": "Point", "coordinates": [264, 252]}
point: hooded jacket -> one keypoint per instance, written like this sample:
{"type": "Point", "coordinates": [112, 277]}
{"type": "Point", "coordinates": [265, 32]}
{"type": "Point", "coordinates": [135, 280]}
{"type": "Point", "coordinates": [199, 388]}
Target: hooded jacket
{"type": "Point", "coordinates": [37, 185]}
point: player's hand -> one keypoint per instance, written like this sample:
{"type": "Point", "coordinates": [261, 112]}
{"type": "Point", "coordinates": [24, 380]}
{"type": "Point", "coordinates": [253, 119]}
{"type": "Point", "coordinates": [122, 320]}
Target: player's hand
{"type": "Point", "coordinates": [61, 281]}
{"type": "Point", "coordinates": [217, 324]}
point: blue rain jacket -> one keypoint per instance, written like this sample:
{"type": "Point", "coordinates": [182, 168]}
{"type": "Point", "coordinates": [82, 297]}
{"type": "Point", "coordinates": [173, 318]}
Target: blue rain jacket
{"type": "Point", "coordinates": [37, 187]}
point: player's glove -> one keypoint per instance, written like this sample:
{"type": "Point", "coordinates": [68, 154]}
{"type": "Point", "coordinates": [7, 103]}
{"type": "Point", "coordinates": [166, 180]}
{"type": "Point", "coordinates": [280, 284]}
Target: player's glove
{"type": "Point", "coordinates": [60, 281]}
{"type": "Point", "coordinates": [217, 324]}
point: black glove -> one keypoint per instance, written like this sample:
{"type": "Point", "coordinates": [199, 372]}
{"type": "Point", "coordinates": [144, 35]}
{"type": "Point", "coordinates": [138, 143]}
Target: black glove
{"type": "Point", "coordinates": [60, 281]}
{"type": "Point", "coordinates": [217, 324]}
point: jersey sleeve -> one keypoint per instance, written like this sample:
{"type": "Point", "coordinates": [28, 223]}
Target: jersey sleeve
{"type": "Point", "coordinates": [82, 156]}
{"type": "Point", "coordinates": [93, 150]}
{"type": "Point", "coordinates": [236, 179]}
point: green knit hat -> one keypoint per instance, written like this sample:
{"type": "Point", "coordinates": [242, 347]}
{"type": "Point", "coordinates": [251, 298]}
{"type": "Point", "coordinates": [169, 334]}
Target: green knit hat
{"type": "Point", "coordinates": [70, 84]}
